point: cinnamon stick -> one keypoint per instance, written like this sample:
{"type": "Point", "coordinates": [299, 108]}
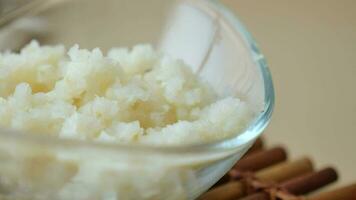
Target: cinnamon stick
{"type": "Point", "coordinates": [343, 193]}
{"type": "Point", "coordinates": [286, 170]}
{"type": "Point", "coordinates": [256, 161]}
{"type": "Point", "coordinates": [302, 184]}
{"type": "Point", "coordinates": [223, 180]}
{"type": "Point", "coordinates": [257, 146]}
{"type": "Point", "coordinates": [229, 191]}
{"type": "Point", "coordinates": [310, 182]}
{"type": "Point", "coordinates": [236, 189]}
{"type": "Point", "coordinates": [257, 196]}
{"type": "Point", "coordinates": [261, 159]}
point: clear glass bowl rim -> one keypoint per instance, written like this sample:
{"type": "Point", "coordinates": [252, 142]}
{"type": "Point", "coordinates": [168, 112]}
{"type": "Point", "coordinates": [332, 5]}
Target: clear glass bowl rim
{"type": "Point", "coordinates": [250, 134]}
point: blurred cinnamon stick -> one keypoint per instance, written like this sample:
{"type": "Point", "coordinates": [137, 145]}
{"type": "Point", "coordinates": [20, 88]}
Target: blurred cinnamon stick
{"type": "Point", "coordinates": [257, 161]}
{"type": "Point", "coordinates": [236, 189]}
{"type": "Point", "coordinates": [302, 184]}
{"type": "Point", "coordinates": [262, 159]}
{"type": "Point", "coordinates": [257, 146]}
{"type": "Point", "coordinates": [310, 182]}
{"type": "Point", "coordinates": [286, 170]}
{"type": "Point", "coordinates": [343, 193]}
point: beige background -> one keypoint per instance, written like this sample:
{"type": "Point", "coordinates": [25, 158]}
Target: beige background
{"type": "Point", "coordinates": [311, 50]}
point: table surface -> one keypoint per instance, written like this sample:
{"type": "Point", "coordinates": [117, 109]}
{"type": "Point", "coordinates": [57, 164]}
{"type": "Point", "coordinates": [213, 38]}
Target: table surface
{"type": "Point", "coordinates": [311, 50]}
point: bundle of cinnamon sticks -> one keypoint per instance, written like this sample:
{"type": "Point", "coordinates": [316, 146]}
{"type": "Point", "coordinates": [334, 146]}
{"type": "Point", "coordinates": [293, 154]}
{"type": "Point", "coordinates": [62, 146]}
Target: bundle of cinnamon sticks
{"type": "Point", "coordinates": [267, 174]}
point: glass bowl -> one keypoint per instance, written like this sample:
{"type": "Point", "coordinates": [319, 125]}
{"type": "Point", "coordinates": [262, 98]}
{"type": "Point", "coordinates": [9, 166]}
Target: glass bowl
{"type": "Point", "coordinates": [203, 33]}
